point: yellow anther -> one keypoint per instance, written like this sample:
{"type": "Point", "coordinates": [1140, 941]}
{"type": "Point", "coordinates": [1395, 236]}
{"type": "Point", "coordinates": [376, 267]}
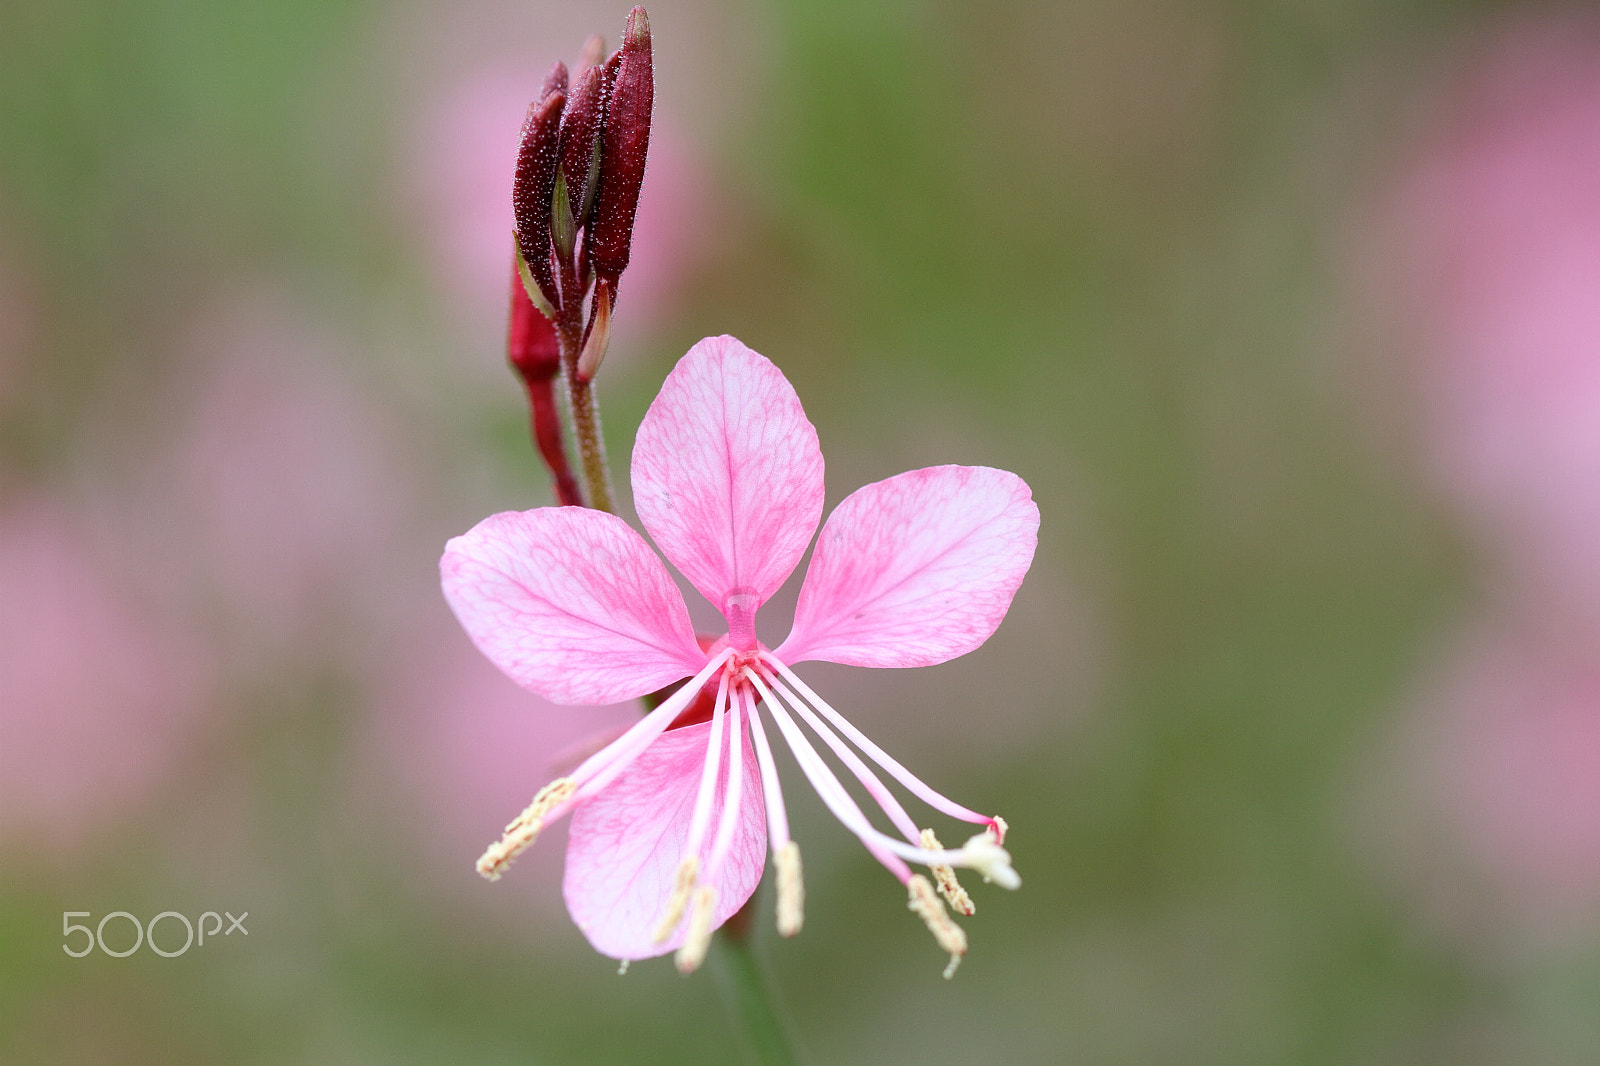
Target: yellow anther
{"type": "Point", "coordinates": [524, 828]}
{"type": "Point", "coordinates": [949, 887]}
{"type": "Point", "coordinates": [698, 939]}
{"type": "Point", "coordinates": [927, 906]}
{"type": "Point", "coordinates": [682, 885]}
{"type": "Point", "coordinates": [791, 890]}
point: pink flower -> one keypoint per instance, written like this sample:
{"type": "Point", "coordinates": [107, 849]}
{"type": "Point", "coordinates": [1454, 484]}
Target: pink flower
{"type": "Point", "coordinates": [670, 825]}
{"type": "Point", "coordinates": [1495, 239]}
{"type": "Point", "coordinates": [1500, 829]}
{"type": "Point", "coordinates": [98, 698]}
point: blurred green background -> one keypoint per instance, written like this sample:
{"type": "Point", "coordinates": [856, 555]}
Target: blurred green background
{"type": "Point", "coordinates": [250, 381]}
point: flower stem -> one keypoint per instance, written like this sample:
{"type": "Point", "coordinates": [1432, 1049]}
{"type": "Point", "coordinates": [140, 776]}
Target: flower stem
{"type": "Point", "coordinates": [746, 995]}
{"type": "Point", "coordinates": [582, 405]}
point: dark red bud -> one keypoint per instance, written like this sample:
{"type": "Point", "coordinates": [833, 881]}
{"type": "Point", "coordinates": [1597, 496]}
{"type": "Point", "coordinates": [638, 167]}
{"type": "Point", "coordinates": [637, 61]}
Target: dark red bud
{"type": "Point", "coordinates": [532, 348]}
{"type": "Point", "coordinates": [592, 53]}
{"type": "Point", "coordinates": [531, 188]}
{"type": "Point", "coordinates": [554, 82]}
{"type": "Point", "coordinates": [626, 142]}
{"type": "Point", "coordinates": [534, 353]}
{"type": "Point", "coordinates": [580, 143]}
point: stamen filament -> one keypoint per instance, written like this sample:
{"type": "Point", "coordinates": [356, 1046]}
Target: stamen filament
{"type": "Point", "coordinates": [869, 780]}
{"type": "Point", "coordinates": [689, 864]}
{"type": "Point", "coordinates": [785, 852]}
{"type": "Point", "coordinates": [980, 852]}
{"type": "Point", "coordinates": [600, 769]}
{"type": "Point", "coordinates": [827, 786]}
{"type": "Point", "coordinates": [734, 795]}
{"type": "Point", "coordinates": [777, 815]}
{"type": "Point", "coordinates": [878, 755]}
{"type": "Point", "coordinates": [558, 798]}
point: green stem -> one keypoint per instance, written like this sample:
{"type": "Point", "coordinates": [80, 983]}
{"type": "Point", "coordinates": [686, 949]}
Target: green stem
{"type": "Point", "coordinates": [584, 409]}
{"type": "Point", "coordinates": [746, 995]}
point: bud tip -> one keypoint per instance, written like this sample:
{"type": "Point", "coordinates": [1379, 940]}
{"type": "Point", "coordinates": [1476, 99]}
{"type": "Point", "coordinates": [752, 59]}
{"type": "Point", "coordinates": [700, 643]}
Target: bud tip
{"type": "Point", "coordinates": [637, 33]}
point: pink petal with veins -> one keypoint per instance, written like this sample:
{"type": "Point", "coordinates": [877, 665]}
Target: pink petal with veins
{"type": "Point", "coordinates": [571, 604]}
{"type": "Point", "coordinates": [727, 475]}
{"type": "Point", "coordinates": [625, 845]}
{"type": "Point", "coordinates": [915, 569]}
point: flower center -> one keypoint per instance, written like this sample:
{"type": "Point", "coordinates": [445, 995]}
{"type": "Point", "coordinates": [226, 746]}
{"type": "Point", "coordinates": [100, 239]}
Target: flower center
{"type": "Point", "coordinates": [739, 607]}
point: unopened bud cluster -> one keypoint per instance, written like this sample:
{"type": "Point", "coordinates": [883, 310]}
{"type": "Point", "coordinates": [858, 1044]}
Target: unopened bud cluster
{"type": "Point", "coordinates": [576, 189]}
{"type": "Point", "coordinates": [580, 163]}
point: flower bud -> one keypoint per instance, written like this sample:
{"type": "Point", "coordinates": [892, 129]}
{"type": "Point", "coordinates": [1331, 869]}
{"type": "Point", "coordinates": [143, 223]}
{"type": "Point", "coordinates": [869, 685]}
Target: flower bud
{"type": "Point", "coordinates": [592, 54]}
{"type": "Point", "coordinates": [599, 333]}
{"type": "Point", "coordinates": [554, 82]}
{"type": "Point", "coordinates": [531, 345]}
{"type": "Point", "coordinates": [534, 352]}
{"type": "Point", "coordinates": [580, 143]}
{"type": "Point", "coordinates": [532, 186]}
{"type": "Point", "coordinates": [625, 142]}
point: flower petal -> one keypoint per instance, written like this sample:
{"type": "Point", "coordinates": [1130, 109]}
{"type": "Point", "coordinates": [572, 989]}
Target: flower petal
{"type": "Point", "coordinates": [625, 844]}
{"type": "Point", "coordinates": [570, 603]}
{"type": "Point", "coordinates": [916, 569]}
{"type": "Point", "coordinates": [727, 475]}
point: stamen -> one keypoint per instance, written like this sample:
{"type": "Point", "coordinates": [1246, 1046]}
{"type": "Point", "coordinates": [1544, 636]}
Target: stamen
{"type": "Point", "coordinates": [878, 755]}
{"type": "Point", "coordinates": [869, 780]}
{"type": "Point", "coordinates": [949, 887]}
{"type": "Point", "coordinates": [777, 817]}
{"type": "Point", "coordinates": [949, 936]}
{"type": "Point", "coordinates": [689, 865]}
{"type": "Point", "coordinates": [698, 940]}
{"type": "Point", "coordinates": [601, 769]}
{"type": "Point", "coordinates": [524, 828]}
{"type": "Point", "coordinates": [889, 851]}
{"type": "Point", "coordinates": [791, 889]}
{"type": "Point", "coordinates": [999, 829]}
{"type": "Point", "coordinates": [832, 793]}
{"type": "Point", "coordinates": [597, 771]}
{"type": "Point", "coordinates": [682, 885]}
{"type": "Point", "coordinates": [734, 795]}
{"type": "Point", "coordinates": [623, 968]}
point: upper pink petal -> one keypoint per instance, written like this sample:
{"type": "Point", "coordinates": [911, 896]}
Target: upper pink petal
{"type": "Point", "coordinates": [915, 569]}
{"type": "Point", "coordinates": [571, 603]}
{"type": "Point", "coordinates": [727, 475]}
{"type": "Point", "coordinates": [625, 844]}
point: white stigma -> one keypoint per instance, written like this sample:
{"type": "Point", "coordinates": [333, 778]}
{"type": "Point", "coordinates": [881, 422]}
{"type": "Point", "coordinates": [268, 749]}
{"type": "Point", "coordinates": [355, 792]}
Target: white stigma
{"type": "Point", "coordinates": [992, 862]}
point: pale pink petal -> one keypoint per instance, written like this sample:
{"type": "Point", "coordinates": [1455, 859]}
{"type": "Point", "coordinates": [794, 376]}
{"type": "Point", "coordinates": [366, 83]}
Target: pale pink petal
{"type": "Point", "coordinates": [915, 569]}
{"type": "Point", "coordinates": [727, 475]}
{"type": "Point", "coordinates": [625, 845]}
{"type": "Point", "coordinates": [570, 603]}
